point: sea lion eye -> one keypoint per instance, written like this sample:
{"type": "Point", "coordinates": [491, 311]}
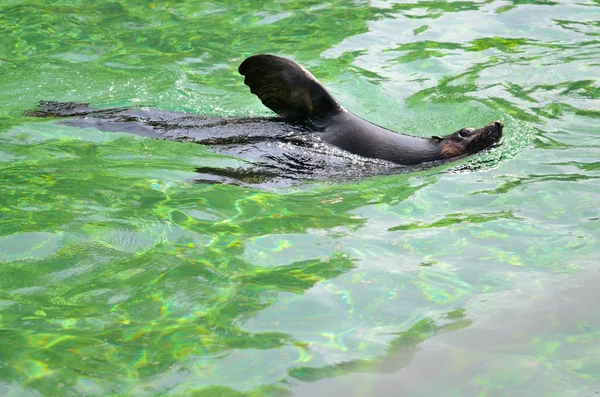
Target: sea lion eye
{"type": "Point", "coordinates": [464, 133]}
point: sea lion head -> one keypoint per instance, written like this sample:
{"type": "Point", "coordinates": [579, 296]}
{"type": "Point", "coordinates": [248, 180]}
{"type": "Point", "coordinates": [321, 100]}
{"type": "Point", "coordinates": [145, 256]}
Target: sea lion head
{"type": "Point", "coordinates": [469, 140]}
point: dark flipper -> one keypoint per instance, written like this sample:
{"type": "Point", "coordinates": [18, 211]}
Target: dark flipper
{"type": "Point", "coordinates": [289, 90]}
{"type": "Point", "coordinates": [62, 109]}
{"type": "Point", "coordinates": [176, 126]}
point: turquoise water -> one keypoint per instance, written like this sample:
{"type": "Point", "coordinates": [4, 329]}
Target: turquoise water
{"type": "Point", "coordinates": [120, 277]}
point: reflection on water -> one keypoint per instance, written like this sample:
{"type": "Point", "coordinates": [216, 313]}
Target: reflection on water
{"type": "Point", "coordinates": [522, 341]}
{"type": "Point", "coordinates": [120, 277]}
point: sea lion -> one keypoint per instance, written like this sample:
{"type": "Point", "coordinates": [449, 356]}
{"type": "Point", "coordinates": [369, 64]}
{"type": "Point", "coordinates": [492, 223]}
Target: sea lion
{"type": "Point", "coordinates": [296, 95]}
{"type": "Point", "coordinates": [316, 136]}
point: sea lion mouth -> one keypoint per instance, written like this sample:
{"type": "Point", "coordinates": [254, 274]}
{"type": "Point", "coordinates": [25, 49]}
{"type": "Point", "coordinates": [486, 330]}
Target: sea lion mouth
{"type": "Point", "coordinates": [484, 138]}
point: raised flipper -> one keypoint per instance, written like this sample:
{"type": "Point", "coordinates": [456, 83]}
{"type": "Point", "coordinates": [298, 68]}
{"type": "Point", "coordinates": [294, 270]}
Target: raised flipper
{"type": "Point", "coordinates": [289, 90]}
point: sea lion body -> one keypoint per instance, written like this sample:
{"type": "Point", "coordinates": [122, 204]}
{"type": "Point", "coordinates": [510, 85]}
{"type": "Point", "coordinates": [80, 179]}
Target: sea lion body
{"type": "Point", "coordinates": [314, 136]}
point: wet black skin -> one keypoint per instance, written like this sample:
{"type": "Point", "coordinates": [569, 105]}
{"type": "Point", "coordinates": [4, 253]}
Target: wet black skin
{"type": "Point", "coordinates": [363, 138]}
{"type": "Point", "coordinates": [314, 137]}
{"type": "Point", "coordinates": [296, 95]}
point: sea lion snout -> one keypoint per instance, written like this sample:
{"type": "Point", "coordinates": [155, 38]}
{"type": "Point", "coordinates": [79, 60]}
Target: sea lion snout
{"type": "Point", "coordinates": [469, 141]}
{"type": "Point", "coordinates": [496, 128]}
{"type": "Point", "coordinates": [495, 132]}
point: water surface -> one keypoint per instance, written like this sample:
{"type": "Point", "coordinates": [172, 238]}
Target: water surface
{"type": "Point", "coordinates": [119, 276]}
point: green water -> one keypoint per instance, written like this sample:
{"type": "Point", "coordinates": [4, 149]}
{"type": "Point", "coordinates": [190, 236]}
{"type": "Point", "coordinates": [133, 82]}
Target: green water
{"type": "Point", "coordinates": [119, 277]}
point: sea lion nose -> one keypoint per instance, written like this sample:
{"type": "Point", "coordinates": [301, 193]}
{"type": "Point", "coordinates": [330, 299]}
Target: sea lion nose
{"type": "Point", "coordinates": [498, 124]}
